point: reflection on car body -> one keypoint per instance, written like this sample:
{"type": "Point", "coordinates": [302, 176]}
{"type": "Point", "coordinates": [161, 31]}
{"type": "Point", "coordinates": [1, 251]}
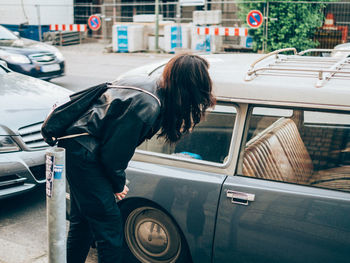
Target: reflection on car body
{"type": "Point", "coordinates": [25, 102]}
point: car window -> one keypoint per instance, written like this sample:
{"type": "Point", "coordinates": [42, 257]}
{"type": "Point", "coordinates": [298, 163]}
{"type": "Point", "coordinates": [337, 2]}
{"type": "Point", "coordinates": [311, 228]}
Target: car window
{"type": "Point", "coordinates": [209, 141]}
{"type": "Point", "coordinates": [314, 151]}
{"type": "Point", "coordinates": [263, 117]}
{"type": "Point", "coordinates": [326, 118]}
{"type": "Point", "coordinates": [6, 34]}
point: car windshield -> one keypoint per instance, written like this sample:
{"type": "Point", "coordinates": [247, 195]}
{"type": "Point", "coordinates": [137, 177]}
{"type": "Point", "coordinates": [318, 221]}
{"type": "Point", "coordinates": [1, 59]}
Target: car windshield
{"type": "Point", "coordinates": [6, 34]}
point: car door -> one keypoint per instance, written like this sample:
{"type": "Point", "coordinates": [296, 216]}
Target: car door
{"type": "Point", "coordinates": [185, 178]}
{"type": "Point", "coordinates": [266, 218]}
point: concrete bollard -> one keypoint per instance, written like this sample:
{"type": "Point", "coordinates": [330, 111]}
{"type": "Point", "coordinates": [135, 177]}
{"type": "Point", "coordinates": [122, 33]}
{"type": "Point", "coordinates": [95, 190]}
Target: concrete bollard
{"type": "Point", "coordinates": [56, 204]}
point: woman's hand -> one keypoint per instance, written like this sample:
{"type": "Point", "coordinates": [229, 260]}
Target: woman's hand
{"type": "Point", "coordinates": [122, 195]}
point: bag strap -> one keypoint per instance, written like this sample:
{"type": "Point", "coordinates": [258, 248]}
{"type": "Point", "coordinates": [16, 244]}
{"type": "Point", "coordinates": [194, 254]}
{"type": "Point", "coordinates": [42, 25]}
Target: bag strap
{"type": "Point", "coordinates": [72, 136]}
{"type": "Point", "coordinates": [138, 89]}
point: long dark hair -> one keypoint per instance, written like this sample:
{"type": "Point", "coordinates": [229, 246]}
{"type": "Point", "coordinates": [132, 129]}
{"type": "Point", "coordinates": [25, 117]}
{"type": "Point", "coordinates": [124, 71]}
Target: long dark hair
{"type": "Point", "coordinates": [187, 90]}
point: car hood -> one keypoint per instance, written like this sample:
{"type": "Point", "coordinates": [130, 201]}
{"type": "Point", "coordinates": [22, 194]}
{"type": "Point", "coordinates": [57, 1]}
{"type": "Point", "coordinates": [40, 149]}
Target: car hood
{"type": "Point", "coordinates": [25, 46]}
{"type": "Point", "coordinates": [25, 100]}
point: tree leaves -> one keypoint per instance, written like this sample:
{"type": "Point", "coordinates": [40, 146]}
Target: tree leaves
{"type": "Point", "coordinates": [295, 25]}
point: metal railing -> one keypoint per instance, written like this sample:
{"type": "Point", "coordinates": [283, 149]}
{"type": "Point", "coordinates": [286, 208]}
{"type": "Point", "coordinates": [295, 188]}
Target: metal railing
{"type": "Point", "coordinates": [302, 24]}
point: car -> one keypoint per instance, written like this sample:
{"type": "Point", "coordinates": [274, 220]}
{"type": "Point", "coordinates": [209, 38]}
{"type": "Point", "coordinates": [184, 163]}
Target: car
{"type": "Point", "coordinates": [264, 178]}
{"type": "Point", "coordinates": [25, 102]}
{"type": "Point", "coordinates": [30, 57]}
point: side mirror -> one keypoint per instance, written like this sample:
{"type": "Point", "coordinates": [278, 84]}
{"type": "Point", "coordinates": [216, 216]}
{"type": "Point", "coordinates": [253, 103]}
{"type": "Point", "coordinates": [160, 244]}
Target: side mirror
{"type": "Point", "coordinates": [16, 33]}
{"type": "Point", "coordinates": [3, 63]}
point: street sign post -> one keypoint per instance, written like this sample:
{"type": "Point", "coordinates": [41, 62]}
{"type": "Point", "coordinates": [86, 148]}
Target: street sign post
{"type": "Point", "coordinates": [94, 22]}
{"type": "Point", "coordinates": [255, 19]}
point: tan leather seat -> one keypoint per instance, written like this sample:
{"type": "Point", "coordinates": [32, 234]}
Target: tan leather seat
{"type": "Point", "coordinates": [334, 178]}
{"type": "Point", "coordinates": [265, 158]}
{"type": "Point", "coordinates": [278, 153]}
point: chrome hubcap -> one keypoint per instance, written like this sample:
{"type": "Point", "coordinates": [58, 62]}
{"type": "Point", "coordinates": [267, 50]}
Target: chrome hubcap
{"type": "Point", "coordinates": [152, 238]}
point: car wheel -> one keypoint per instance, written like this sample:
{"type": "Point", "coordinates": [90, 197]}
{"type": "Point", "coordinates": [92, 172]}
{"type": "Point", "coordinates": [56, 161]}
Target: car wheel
{"type": "Point", "coordinates": [152, 237]}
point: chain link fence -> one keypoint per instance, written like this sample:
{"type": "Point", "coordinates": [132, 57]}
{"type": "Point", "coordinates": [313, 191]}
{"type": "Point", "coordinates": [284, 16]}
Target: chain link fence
{"type": "Point", "coordinates": [301, 24]}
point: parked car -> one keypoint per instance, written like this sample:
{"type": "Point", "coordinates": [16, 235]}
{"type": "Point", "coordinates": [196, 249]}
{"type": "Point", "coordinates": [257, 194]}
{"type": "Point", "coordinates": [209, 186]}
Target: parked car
{"type": "Point", "coordinates": [30, 57]}
{"type": "Point", "coordinates": [264, 178]}
{"type": "Point", "coordinates": [24, 104]}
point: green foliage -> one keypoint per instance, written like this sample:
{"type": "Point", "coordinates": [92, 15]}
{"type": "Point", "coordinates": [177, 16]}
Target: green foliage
{"type": "Point", "coordinates": [289, 24]}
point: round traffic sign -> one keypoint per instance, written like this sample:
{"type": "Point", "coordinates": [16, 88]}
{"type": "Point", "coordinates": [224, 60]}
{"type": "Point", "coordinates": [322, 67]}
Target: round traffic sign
{"type": "Point", "coordinates": [94, 22]}
{"type": "Point", "coordinates": [255, 18]}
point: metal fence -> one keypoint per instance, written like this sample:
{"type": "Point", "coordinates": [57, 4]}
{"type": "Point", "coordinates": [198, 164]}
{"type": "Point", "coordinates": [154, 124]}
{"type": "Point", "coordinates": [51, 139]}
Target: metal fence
{"type": "Point", "coordinates": [302, 24]}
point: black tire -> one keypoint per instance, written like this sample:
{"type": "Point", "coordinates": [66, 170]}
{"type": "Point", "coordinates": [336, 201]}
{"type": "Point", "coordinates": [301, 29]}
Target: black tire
{"type": "Point", "coordinates": [152, 237]}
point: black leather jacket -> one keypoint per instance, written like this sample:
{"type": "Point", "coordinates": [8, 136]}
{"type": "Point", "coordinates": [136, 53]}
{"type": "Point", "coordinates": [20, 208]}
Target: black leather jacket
{"type": "Point", "coordinates": [119, 121]}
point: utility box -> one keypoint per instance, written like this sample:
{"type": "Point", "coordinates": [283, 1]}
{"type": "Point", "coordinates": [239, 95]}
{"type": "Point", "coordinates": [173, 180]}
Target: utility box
{"type": "Point", "coordinates": [212, 17]}
{"type": "Point", "coordinates": [177, 36]}
{"type": "Point", "coordinates": [205, 43]}
{"type": "Point", "coordinates": [127, 38]}
{"type": "Point", "coordinates": [152, 43]}
{"type": "Point", "coordinates": [150, 31]}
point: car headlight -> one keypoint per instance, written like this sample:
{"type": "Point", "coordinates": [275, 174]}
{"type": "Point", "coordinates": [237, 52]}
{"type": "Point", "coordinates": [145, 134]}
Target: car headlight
{"type": "Point", "coordinates": [59, 55]}
{"type": "Point", "coordinates": [8, 145]}
{"type": "Point", "coordinates": [15, 58]}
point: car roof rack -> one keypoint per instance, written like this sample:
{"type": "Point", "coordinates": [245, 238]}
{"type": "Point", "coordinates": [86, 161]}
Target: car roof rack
{"type": "Point", "coordinates": [297, 65]}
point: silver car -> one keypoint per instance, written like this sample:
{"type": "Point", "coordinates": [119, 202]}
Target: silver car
{"type": "Point", "coordinates": [24, 104]}
{"type": "Point", "coordinates": [265, 178]}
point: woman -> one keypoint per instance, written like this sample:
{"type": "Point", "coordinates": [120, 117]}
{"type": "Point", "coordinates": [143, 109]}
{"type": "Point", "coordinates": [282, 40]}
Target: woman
{"type": "Point", "coordinates": [128, 112]}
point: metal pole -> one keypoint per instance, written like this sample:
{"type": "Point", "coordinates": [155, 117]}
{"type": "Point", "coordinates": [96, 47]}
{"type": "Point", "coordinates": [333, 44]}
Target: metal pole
{"type": "Point", "coordinates": [267, 23]}
{"type": "Point", "coordinates": [56, 204]}
{"type": "Point", "coordinates": [39, 23]}
{"type": "Point", "coordinates": [157, 26]}
{"type": "Point", "coordinates": [264, 31]}
{"type": "Point", "coordinates": [178, 18]}
{"type": "Point", "coordinates": [104, 23]}
{"type": "Point", "coordinates": [114, 12]}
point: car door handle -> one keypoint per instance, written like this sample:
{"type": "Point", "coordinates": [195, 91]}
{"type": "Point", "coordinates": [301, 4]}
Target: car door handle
{"type": "Point", "coordinates": [240, 197]}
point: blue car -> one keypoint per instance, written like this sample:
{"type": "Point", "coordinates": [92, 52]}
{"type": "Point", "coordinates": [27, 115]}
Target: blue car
{"type": "Point", "coordinates": [264, 178]}
{"type": "Point", "coordinates": [30, 57]}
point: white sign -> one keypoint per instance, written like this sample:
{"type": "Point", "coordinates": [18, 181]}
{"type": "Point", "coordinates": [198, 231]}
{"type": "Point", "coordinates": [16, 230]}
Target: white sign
{"type": "Point", "coordinates": [192, 2]}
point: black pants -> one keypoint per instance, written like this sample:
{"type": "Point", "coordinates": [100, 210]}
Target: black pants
{"type": "Point", "coordinates": [94, 214]}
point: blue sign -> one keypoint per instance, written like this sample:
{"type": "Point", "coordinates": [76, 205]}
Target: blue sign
{"type": "Point", "coordinates": [255, 18]}
{"type": "Point", "coordinates": [175, 37]}
{"type": "Point", "coordinates": [94, 22]}
{"type": "Point", "coordinates": [249, 42]}
{"type": "Point", "coordinates": [205, 45]}
{"type": "Point", "coordinates": [58, 170]}
{"type": "Point", "coordinates": [122, 33]}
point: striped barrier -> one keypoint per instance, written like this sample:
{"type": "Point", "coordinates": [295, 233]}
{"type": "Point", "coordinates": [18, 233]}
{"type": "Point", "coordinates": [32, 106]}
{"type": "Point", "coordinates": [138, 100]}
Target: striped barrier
{"type": "Point", "coordinates": [223, 31]}
{"type": "Point", "coordinates": [68, 27]}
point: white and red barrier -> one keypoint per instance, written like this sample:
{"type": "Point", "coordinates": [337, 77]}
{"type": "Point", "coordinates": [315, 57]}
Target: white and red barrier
{"type": "Point", "coordinates": [222, 31]}
{"type": "Point", "coordinates": [68, 27]}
